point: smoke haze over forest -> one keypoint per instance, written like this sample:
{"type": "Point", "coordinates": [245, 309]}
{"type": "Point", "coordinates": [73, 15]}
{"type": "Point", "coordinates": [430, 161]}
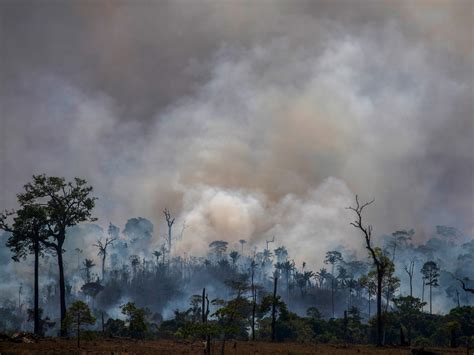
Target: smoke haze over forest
{"type": "Point", "coordinates": [246, 120]}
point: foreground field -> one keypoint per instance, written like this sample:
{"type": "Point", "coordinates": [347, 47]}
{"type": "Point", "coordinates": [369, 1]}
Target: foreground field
{"type": "Point", "coordinates": [112, 346]}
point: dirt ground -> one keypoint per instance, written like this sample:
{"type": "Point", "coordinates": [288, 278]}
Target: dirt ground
{"type": "Point", "coordinates": [112, 346]}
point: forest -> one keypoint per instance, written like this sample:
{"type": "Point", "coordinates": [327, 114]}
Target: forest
{"type": "Point", "coordinates": [400, 293]}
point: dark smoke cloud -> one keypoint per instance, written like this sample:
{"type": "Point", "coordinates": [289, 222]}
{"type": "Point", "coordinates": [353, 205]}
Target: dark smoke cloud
{"type": "Point", "coordinates": [246, 120]}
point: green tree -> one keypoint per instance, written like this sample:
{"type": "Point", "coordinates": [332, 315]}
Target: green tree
{"type": "Point", "coordinates": [233, 314]}
{"type": "Point", "coordinates": [26, 236]}
{"type": "Point", "coordinates": [136, 319]}
{"type": "Point", "coordinates": [66, 204]}
{"type": "Point", "coordinates": [409, 309]}
{"type": "Point", "coordinates": [79, 314]}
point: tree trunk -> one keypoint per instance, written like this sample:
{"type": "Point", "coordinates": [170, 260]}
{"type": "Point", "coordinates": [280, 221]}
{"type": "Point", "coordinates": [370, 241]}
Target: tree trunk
{"type": "Point", "coordinates": [62, 291]}
{"type": "Point", "coordinates": [332, 291]}
{"type": "Point", "coordinates": [103, 266]}
{"type": "Point", "coordinates": [274, 308]}
{"type": "Point", "coordinates": [169, 238]}
{"type": "Point", "coordinates": [431, 306]}
{"type": "Point", "coordinates": [411, 285]}
{"type": "Point", "coordinates": [379, 307]}
{"type": "Point", "coordinates": [370, 296]}
{"type": "Point", "coordinates": [423, 295]}
{"type": "Point", "coordinates": [452, 342]}
{"type": "Point", "coordinates": [254, 305]}
{"type": "Point", "coordinates": [78, 330]}
{"type": "Point", "coordinates": [36, 291]}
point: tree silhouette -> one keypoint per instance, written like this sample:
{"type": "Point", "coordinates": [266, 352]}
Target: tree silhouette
{"type": "Point", "coordinates": [378, 259]}
{"type": "Point", "coordinates": [464, 286]}
{"type": "Point", "coordinates": [28, 232]}
{"type": "Point", "coordinates": [88, 265]}
{"type": "Point", "coordinates": [103, 246]}
{"type": "Point", "coordinates": [67, 204]}
{"type": "Point", "coordinates": [430, 271]}
{"type": "Point", "coordinates": [169, 222]}
{"type": "Point", "coordinates": [234, 255]}
{"type": "Point", "coordinates": [409, 269]}
{"type": "Point", "coordinates": [333, 257]}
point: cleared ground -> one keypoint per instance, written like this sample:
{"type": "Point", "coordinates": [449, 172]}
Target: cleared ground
{"type": "Point", "coordinates": [112, 346]}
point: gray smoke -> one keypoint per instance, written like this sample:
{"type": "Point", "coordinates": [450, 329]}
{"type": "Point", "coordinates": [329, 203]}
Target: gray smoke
{"type": "Point", "coordinates": [246, 120]}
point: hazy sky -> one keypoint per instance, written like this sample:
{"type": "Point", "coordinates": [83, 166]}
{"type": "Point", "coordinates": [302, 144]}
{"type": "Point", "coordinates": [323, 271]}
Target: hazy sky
{"type": "Point", "coordinates": [246, 120]}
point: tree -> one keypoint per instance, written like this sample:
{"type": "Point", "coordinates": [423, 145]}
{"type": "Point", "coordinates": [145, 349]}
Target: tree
{"type": "Point", "coordinates": [27, 234]}
{"type": "Point", "coordinates": [333, 257]}
{"type": "Point", "coordinates": [234, 255]}
{"type": "Point", "coordinates": [233, 313]}
{"type": "Point", "coordinates": [136, 319]}
{"type": "Point", "coordinates": [378, 259]}
{"type": "Point", "coordinates": [169, 222]}
{"type": "Point", "coordinates": [88, 265]}
{"type": "Point", "coordinates": [409, 269]}
{"type": "Point", "coordinates": [242, 242]}
{"type": "Point", "coordinates": [321, 276]}
{"type": "Point", "coordinates": [66, 204]}
{"type": "Point", "coordinates": [409, 309]}
{"type": "Point", "coordinates": [79, 314]}
{"type": "Point", "coordinates": [253, 288]}
{"type": "Point", "coordinates": [269, 241]}
{"type": "Point", "coordinates": [464, 286]}
{"type": "Point", "coordinates": [288, 267]}
{"type": "Point", "coordinates": [281, 254]}
{"type": "Point", "coordinates": [430, 272]}
{"type": "Point", "coordinates": [400, 239]}
{"type": "Point", "coordinates": [218, 247]}
{"type": "Point", "coordinates": [103, 249]}
{"type": "Point", "coordinates": [44, 323]}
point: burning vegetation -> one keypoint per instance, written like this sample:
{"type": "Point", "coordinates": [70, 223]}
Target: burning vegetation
{"type": "Point", "coordinates": [398, 293]}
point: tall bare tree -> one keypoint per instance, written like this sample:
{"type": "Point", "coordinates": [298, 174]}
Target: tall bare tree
{"type": "Point", "coordinates": [409, 269]}
{"type": "Point", "coordinates": [269, 241]}
{"type": "Point", "coordinates": [169, 222]}
{"type": "Point", "coordinates": [379, 260]}
{"type": "Point", "coordinates": [103, 251]}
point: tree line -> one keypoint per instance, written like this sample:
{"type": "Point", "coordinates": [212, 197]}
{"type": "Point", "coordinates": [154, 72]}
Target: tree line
{"type": "Point", "coordinates": [262, 287]}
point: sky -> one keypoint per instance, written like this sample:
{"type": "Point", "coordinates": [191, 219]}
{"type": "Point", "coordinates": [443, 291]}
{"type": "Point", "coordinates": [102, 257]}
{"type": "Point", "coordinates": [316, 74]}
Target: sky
{"type": "Point", "coordinates": [247, 120]}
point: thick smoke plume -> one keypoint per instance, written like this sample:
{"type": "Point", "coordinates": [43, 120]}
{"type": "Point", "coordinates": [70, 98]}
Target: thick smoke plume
{"type": "Point", "coordinates": [247, 122]}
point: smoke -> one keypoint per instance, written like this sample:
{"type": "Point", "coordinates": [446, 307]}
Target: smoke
{"type": "Point", "coordinates": [246, 123]}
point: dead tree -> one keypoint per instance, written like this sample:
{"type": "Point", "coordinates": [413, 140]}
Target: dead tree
{"type": "Point", "coordinates": [410, 269]}
{"type": "Point", "coordinates": [464, 287]}
{"type": "Point", "coordinates": [169, 222]}
{"type": "Point", "coordinates": [379, 260]}
{"type": "Point", "coordinates": [103, 251]}
{"type": "Point", "coordinates": [270, 241]}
